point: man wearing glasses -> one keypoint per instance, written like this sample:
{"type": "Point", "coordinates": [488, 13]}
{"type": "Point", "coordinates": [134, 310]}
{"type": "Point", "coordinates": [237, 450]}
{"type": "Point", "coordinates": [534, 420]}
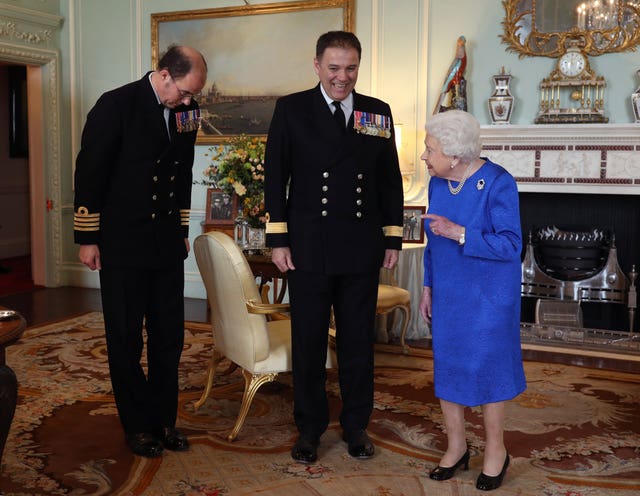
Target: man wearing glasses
{"type": "Point", "coordinates": [131, 219]}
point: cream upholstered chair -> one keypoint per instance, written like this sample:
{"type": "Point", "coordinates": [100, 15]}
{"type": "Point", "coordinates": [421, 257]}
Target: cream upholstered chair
{"type": "Point", "coordinates": [241, 332]}
{"type": "Point", "coordinates": [392, 297]}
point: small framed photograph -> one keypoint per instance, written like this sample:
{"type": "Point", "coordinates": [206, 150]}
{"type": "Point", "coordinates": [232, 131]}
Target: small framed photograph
{"type": "Point", "coordinates": [413, 225]}
{"type": "Point", "coordinates": [221, 207]}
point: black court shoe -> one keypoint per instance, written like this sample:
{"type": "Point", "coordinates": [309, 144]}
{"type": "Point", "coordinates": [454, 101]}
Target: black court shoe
{"type": "Point", "coordinates": [488, 482]}
{"type": "Point", "coordinates": [444, 473]}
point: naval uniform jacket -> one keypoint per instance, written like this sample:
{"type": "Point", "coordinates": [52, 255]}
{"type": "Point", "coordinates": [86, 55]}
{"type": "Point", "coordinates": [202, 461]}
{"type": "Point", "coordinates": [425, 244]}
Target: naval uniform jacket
{"type": "Point", "coordinates": [345, 199]}
{"type": "Point", "coordinates": [133, 183]}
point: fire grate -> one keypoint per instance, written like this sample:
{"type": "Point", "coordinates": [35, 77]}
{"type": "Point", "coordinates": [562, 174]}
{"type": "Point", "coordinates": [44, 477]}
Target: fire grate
{"type": "Point", "coordinates": [571, 254]}
{"type": "Point", "coordinates": [602, 282]}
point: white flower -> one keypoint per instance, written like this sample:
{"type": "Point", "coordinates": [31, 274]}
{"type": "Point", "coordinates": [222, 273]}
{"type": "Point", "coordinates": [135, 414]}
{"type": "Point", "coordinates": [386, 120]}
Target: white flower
{"type": "Point", "coordinates": [239, 188]}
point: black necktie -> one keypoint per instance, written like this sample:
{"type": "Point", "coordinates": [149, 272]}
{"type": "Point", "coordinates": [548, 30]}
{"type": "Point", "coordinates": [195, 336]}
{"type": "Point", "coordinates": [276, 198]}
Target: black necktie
{"type": "Point", "coordinates": [338, 115]}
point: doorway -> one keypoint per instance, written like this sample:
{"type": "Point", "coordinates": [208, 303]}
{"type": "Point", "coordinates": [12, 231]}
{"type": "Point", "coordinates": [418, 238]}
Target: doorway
{"type": "Point", "coordinates": [15, 232]}
{"type": "Point", "coordinates": [42, 189]}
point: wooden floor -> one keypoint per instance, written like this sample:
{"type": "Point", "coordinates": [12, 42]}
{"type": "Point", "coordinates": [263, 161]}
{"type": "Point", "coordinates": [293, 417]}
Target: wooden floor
{"type": "Point", "coordinates": [45, 305]}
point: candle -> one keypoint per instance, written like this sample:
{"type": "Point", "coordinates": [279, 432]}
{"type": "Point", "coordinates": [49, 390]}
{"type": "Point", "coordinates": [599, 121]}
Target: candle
{"type": "Point", "coordinates": [581, 16]}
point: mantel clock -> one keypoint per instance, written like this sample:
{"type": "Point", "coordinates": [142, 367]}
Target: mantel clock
{"type": "Point", "coordinates": [572, 93]}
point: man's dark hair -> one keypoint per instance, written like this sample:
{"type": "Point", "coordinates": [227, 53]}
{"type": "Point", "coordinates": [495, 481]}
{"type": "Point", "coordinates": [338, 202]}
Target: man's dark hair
{"type": "Point", "coordinates": [176, 62]}
{"type": "Point", "coordinates": [340, 39]}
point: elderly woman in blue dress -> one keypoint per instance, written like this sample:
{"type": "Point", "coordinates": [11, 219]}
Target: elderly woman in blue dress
{"type": "Point", "coordinates": [471, 292]}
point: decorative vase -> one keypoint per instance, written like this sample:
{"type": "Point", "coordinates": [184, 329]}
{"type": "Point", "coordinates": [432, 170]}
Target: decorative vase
{"type": "Point", "coordinates": [501, 102]}
{"type": "Point", "coordinates": [635, 101]}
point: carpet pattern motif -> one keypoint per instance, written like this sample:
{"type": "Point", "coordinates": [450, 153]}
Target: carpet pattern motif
{"type": "Point", "coordinates": [573, 432]}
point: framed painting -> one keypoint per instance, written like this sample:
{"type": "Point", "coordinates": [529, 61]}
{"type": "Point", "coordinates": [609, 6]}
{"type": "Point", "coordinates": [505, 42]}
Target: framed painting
{"type": "Point", "coordinates": [254, 54]}
{"type": "Point", "coordinates": [221, 207]}
{"type": "Point", "coordinates": [413, 225]}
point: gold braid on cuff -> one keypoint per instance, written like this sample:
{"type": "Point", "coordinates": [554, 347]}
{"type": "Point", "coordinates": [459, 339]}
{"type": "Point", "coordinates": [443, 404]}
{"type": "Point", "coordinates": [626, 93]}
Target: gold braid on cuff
{"type": "Point", "coordinates": [185, 213]}
{"type": "Point", "coordinates": [276, 228]}
{"type": "Point", "coordinates": [392, 231]}
{"type": "Point", "coordinates": [84, 221]}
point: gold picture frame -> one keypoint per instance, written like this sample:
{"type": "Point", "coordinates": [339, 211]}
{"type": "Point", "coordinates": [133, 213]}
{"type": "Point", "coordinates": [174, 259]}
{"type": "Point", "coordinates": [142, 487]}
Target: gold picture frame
{"type": "Point", "coordinates": [544, 28]}
{"type": "Point", "coordinates": [254, 53]}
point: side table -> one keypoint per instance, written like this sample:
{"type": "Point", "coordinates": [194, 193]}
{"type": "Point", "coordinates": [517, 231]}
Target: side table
{"type": "Point", "coordinates": [12, 325]}
{"type": "Point", "coordinates": [263, 267]}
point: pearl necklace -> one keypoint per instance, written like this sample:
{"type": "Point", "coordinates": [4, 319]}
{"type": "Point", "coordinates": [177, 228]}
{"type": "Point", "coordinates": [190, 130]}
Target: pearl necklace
{"type": "Point", "coordinates": [456, 190]}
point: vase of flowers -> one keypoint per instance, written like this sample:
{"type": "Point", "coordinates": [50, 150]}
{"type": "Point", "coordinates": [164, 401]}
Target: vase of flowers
{"type": "Point", "coordinates": [237, 167]}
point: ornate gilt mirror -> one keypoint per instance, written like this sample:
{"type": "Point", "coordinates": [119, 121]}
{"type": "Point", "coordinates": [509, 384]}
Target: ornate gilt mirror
{"type": "Point", "coordinates": [543, 27]}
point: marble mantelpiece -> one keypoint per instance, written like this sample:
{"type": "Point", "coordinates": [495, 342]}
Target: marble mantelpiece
{"type": "Point", "coordinates": [569, 158]}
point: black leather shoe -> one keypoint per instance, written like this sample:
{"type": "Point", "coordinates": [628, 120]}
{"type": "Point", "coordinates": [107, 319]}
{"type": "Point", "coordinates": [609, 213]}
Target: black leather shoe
{"type": "Point", "coordinates": [360, 446]}
{"type": "Point", "coordinates": [488, 482]}
{"type": "Point", "coordinates": [305, 449]}
{"type": "Point", "coordinates": [144, 444]}
{"type": "Point", "coordinates": [445, 473]}
{"type": "Point", "coordinates": [172, 439]}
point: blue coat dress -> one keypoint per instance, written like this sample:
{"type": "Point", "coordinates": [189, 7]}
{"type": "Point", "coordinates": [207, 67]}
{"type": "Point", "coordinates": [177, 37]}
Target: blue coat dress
{"type": "Point", "coordinates": [476, 289]}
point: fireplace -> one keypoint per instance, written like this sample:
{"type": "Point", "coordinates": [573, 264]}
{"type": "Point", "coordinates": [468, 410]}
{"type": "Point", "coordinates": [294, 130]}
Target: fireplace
{"type": "Point", "coordinates": [582, 264]}
{"type": "Point", "coordinates": [577, 178]}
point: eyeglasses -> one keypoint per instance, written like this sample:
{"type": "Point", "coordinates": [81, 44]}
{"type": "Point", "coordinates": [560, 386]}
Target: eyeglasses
{"type": "Point", "coordinates": [185, 94]}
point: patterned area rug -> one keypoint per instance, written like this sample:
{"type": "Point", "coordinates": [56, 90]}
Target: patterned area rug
{"type": "Point", "coordinates": [574, 432]}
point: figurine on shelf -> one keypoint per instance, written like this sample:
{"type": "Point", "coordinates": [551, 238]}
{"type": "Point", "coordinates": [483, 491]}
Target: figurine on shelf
{"type": "Point", "coordinates": [455, 85]}
{"type": "Point", "coordinates": [635, 101]}
{"type": "Point", "coordinates": [501, 102]}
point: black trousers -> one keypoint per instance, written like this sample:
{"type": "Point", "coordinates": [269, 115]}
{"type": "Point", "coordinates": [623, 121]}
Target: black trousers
{"type": "Point", "coordinates": [155, 298]}
{"type": "Point", "coordinates": [353, 298]}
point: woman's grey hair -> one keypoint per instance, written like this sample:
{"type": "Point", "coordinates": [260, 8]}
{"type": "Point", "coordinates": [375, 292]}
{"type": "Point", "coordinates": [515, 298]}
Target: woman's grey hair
{"type": "Point", "coordinates": [458, 133]}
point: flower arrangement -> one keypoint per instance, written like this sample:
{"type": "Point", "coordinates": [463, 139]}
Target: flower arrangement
{"type": "Point", "coordinates": [238, 168]}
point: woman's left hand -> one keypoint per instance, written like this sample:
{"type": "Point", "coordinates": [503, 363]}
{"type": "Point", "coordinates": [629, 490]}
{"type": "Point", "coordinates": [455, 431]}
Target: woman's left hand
{"type": "Point", "coordinates": [441, 226]}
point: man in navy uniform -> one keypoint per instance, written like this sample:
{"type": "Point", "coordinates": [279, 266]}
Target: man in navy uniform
{"type": "Point", "coordinates": [333, 193]}
{"type": "Point", "coordinates": [132, 203]}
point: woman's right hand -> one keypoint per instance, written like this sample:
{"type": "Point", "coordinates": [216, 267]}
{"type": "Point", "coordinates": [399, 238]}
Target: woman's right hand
{"type": "Point", "coordinates": [425, 304]}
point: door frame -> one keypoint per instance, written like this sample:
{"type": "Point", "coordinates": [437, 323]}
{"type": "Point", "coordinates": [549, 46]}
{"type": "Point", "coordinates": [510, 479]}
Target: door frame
{"type": "Point", "coordinates": [43, 96]}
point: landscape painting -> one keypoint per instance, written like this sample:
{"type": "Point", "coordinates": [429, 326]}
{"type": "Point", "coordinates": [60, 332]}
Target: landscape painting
{"type": "Point", "coordinates": [254, 54]}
